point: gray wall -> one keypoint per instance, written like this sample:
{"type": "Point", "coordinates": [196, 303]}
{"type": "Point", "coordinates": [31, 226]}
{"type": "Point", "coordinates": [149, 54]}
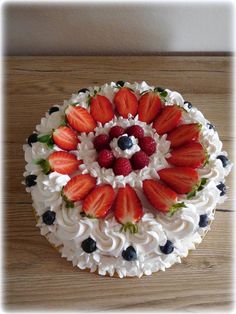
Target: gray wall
{"type": "Point", "coordinates": [98, 29]}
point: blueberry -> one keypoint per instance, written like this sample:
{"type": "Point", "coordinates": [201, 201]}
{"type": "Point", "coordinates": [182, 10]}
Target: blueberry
{"type": "Point", "coordinates": [203, 222]}
{"type": "Point", "coordinates": [89, 245]}
{"type": "Point", "coordinates": [210, 126]}
{"type": "Point", "coordinates": [167, 248]}
{"type": "Point", "coordinates": [33, 138]}
{"type": "Point", "coordinates": [83, 90]}
{"type": "Point", "coordinates": [30, 180]}
{"type": "Point", "coordinates": [189, 104]}
{"type": "Point", "coordinates": [49, 217]}
{"type": "Point", "coordinates": [53, 109]}
{"type": "Point", "coordinates": [121, 83]}
{"type": "Point", "coordinates": [125, 142]}
{"type": "Point", "coordinates": [160, 89]}
{"type": "Point", "coordinates": [129, 254]}
{"type": "Point", "coordinates": [221, 186]}
{"type": "Point", "coordinates": [224, 160]}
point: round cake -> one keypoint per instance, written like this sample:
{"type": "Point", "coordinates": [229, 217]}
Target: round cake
{"type": "Point", "coordinates": [125, 178]}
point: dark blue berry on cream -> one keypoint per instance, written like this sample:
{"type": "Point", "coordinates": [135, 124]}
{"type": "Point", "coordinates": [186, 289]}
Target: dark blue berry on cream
{"type": "Point", "coordinates": [33, 138]}
{"type": "Point", "coordinates": [129, 254]}
{"type": "Point", "coordinates": [53, 109]}
{"type": "Point", "coordinates": [83, 90]}
{"type": "Point", "coordinates": [210, 126]}
{"type": "Point", "coordinates": [221, 186]}
{"type": "Point", "coordinates": [89, 245]}
{"type": "Point", "coordinates": [125, 142]}
{"type": "Point", "coordinates": [160, 89]}
{"type": "Point", "coordinates": [188, 104]}
{"type": "Point", "coordinates": [203, 220]}
{"type": "Point", "coordinates": [168, 248]}
{"type": "Point", "coordinates": [224, 160]}
{"type": "Point", "coordinates": [120, 83]}
{"type": "Point", "coordinates": [30, 180]}
{"type": "Point", "coordinates": [49, 217]}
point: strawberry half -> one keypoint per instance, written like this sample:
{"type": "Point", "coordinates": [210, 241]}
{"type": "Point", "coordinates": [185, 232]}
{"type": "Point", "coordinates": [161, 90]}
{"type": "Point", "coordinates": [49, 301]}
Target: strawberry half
{"type": "Point", "coordinates": [80, 119]}
{"type": "Point", "coordinates": [128, 209]}
{"type": "Point", "coordinates": [184, 134]}
{"type": "Point", "coordinates": [126, 102]}
{"type": "Point", "coordinates": [161, 197]}
{"type": "Point", "coordinates": [65, 138]}
{"type": "Point", "coordinates": [61, 162]}
{"type": "Point", "coordinates": [101, 109]}
{"type": "Point", "coordinates": [190, 155]}
{"type": "Point", "coordinates": [168, 119]}
{"type": "Point", "coordinates": [182, 180]}
{"type": "Point", "coordinates": [99, 201]}
{"type": "Point", "coordinates": [149, 106]}
{"type": "Point", "coordinates": [78, 188]}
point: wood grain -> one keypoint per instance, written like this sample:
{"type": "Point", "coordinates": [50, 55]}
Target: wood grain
{"type": "Point", "coordinates": [35, 276]}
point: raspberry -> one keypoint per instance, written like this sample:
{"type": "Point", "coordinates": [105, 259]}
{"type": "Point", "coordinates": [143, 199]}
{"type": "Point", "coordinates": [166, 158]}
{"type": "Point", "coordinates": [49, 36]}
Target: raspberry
{"type": "Point", "coordinates": [148, 145]}
{"type": "Point", "coordinates": [122, 167]}
{"type": "Point", "coordinates": [101, 142]}
{"type": "Point", "coordinates": [136, 131]}
{"type": "Point", "coordinates": [116, 131]}
{"type": "Point", "coordinates": [139, 160]}
{"type": "Point", "coordinates": [105, 158]}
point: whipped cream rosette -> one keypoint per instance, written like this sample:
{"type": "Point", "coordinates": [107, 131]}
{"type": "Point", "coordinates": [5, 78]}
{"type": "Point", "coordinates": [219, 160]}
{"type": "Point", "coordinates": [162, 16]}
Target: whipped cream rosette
{"type": "Point", "coordinates": [125, 178]}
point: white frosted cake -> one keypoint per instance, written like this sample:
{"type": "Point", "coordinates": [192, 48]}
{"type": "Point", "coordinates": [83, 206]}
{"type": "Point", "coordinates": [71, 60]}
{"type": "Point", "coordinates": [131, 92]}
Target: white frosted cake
{"type": "Point", "coordinates": [125, 178]}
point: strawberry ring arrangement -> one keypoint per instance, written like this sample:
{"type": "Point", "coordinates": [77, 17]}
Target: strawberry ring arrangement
{"type": "Point", "coordinates": [125, 178]}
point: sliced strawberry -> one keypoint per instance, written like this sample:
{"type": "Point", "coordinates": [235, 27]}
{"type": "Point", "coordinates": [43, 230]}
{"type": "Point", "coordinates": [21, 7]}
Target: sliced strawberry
{"type": "Point", "coordinates": [101, 109]}
{"type": "Point", "coordinates": [184, 134]}
{"type": "Point", "coordinates": [99, 201]}
{"type": "Point", "coordinates": [190, 155]}
{"type": "Point", "coordinates": [182, 180]}
{"type": "Point", "coordinates": [126, 102]}
{"type": "Point", "coordinates": [161, 197]}
{"type": "Point", "coordinates": [78, 188]}
{"type": "Point", "coordinates": [80, 119]}
{"type": "Point", "coordinates": [61, 162]}
{"type": "Point", "coordinates": [149, 106]}
{"type": "Point", "coordinates": [168, 119]}
{"type": "Point", "coordinates": [65, 138]}
{"type": "Point", "coordinates": [128, 208]}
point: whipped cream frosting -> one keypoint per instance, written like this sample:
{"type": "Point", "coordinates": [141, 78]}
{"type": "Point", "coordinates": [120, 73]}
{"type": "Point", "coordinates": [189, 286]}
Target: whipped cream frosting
{"type": "Point", "coordinates": [70, 228]}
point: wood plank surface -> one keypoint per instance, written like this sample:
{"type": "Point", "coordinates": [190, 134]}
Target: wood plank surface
{"type": "Point", "coordinates": [35, 277]}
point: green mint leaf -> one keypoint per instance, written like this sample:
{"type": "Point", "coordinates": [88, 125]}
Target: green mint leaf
{"type": "Point", "coordinates": [163, 94]}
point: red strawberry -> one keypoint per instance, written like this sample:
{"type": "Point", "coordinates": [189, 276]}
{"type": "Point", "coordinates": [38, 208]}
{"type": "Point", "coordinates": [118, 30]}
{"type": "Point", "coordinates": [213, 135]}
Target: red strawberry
{"type": "Point", "coordinates": [181, 179]}
{"type": "Point", "coordinates": [122, 167]}
{"type": "Point", "coordinates": [190, 155]}
{"type": "Point", "coordinates": [80, 119]}
{"type": "Point", "coordinates": [161, 197]}
{"type": "Point", "coordinates": [99, 201]}
{"type": "Point", "coordinates": [78, 188]}
{"type": "Point", "coordinates": [168, 119]}
{"type": "Point", "coordinates": [105, 158]}
{"type": "Point", "coordinates": [149, 106]}
{"type": "Point", "coordinates": [139, 160]}
{"type": "Point", "coordinates": [128, 208]}
{"type": "Point", "coordinates": [116, 131]}
{"type": "Point", "coordinates": [148, 145]}
{"type": "Point", "coordinates": [135, 130]}
{"type": "Point", "coordinates": [101, 142]}
{"type": "Point", "coordinates": [101, 108]}
{"type": "Point", "coordinates": [65, 138]}
{"type": "Point", "coordinates": [126, 102]}
{"type": "Point", "coordinates": [184, 134]}
{"type": "Point", "coordinates": [61, 162]}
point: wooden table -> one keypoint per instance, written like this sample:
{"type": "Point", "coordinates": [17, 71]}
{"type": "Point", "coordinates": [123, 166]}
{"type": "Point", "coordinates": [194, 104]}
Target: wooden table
{"type": "Point", "coordinates": [35, 276]}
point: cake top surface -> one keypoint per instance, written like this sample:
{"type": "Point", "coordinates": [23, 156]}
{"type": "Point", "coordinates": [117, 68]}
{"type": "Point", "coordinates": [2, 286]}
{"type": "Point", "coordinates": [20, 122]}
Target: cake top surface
{"type": "Point", "coordinates": [125, 177]}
